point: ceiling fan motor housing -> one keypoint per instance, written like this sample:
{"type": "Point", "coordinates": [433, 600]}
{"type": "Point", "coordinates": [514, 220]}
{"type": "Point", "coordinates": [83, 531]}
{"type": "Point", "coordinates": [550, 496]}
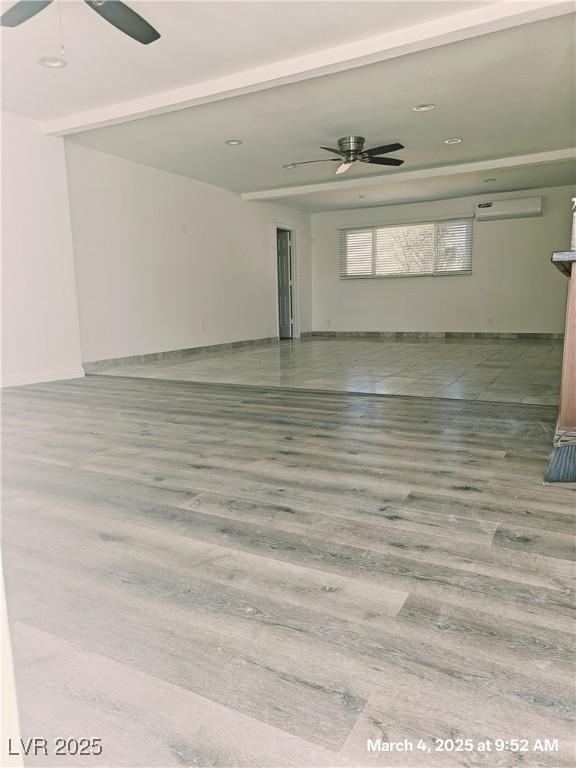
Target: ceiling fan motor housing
{"type": "Point", "coordinates": [352, 146]}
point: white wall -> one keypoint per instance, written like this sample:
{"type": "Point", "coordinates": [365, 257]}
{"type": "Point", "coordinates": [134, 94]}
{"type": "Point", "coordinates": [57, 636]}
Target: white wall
{"type": "Point", "coordinates": [40, 338]}
{"type": "Point", "coordinates": [159, 254]}
{"type": "Point", "coordinates": [513, 288]}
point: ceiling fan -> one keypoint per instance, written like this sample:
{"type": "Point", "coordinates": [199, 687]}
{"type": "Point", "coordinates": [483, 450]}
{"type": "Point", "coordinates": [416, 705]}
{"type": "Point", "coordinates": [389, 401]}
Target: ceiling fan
{"type": "Point", "coordinates": [116, 13]}
{"type": "Point", "coordinates": [351, 149]}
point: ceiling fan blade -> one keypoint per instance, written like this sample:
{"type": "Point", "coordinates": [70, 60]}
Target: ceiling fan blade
{"type": "Point", "coordinates": [384, 149]}
{"type": "Point", "coordinates": [22, 11]}
{"type": "Point", "coordinates": [384, 161]}
{"type": "Point", "coordinates": [336, 151]}
{"type": "Point", "coordinates": [125, 19]}
{"type": "Point", "coordinates": [307, 162]}
{"type": "Point", "coordinates": [343, 168]}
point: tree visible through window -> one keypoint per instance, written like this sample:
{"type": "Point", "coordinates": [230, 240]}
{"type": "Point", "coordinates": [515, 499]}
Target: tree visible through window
{"type": "Point", "coordinates": [433, 248]}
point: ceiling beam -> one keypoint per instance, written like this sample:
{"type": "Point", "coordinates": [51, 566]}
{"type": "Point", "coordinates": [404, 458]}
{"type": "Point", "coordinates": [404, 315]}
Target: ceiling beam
{"type": "Point", "coordinates": [491, 18]}
{"type": "Point", "coordinates": [500, 163]}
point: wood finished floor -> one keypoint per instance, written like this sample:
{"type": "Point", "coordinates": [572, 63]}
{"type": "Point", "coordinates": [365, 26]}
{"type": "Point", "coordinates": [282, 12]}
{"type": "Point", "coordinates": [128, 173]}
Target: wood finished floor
{"type": "Point", "coordinates": [216, 575]}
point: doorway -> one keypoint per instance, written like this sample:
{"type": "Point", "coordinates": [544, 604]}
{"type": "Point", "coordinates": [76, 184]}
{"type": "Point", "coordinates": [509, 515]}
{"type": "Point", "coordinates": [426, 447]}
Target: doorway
{"type": "Point", "coordinates": [284, 251]}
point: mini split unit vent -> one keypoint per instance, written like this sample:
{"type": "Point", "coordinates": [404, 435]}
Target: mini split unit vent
{"type": "Point", "coordinates": [509, 209]}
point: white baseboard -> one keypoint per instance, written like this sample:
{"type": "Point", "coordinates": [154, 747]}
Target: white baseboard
{"type": "Point", "coordinates": [18, 379]}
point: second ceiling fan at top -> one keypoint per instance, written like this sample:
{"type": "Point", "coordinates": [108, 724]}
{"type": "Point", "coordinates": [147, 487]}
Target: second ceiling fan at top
{"type": "Point", "coordinates": [114, 12]}
{"type": "Point", "coordinates": [351, 149]}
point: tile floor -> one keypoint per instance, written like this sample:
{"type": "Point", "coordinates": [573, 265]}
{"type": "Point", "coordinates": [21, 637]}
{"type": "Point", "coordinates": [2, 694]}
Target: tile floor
{"type": "Point", "coordinates": [518, 371]}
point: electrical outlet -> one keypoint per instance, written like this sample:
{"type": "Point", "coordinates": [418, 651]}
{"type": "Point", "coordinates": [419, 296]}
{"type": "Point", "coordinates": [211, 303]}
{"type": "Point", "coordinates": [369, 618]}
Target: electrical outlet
{"type": "Point", "coordinates": [202, 325]}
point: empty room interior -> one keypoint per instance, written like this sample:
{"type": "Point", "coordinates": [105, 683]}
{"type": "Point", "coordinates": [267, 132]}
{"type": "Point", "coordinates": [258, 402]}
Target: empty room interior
{"type": "Point", "coordinates": [288, 383]}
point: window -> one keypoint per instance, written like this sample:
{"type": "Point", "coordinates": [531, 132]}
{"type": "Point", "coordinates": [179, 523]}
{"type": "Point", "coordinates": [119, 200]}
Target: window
{"type": "Point", "coordinates": [432, 248]}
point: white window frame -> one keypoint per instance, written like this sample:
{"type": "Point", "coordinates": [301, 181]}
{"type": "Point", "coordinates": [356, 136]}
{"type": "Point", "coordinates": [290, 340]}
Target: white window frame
{"type": "Point", "coordinates": [373, 228]}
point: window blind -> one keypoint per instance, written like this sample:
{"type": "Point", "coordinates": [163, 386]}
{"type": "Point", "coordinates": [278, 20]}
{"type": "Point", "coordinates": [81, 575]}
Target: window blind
{"type": "Point", "coordinates": [430, 248]}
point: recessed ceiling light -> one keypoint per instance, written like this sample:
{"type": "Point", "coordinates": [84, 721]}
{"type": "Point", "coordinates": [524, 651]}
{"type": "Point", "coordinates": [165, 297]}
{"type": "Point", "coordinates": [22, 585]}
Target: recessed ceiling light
{"type": "Point", "coordinates": [53, 62]}
{"type": "Point", "coordinates": [233, 142]}
{"type": "Point", "coordinates": [487, 181]}
{"type": "Point", "coordinates": [289, 165]}
{"type": "Point", "coordinates": [423, 107]}
{"type": "Point", "coordinates": [453, 140]}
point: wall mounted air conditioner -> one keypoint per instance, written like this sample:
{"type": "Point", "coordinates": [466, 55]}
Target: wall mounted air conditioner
{"type": "Point", "coordinates": [516, 208]}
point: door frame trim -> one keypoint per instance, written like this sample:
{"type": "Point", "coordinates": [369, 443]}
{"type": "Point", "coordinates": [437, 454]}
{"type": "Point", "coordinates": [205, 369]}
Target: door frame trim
{"type": "Point", "coordinates": [295, 274]}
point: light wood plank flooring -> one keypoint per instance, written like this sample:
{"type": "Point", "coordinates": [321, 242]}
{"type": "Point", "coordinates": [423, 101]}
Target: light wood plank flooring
{"type": "Point", "coordinates": [493, 370]}
{"type": "Point", "coordinates": [211, 575]}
